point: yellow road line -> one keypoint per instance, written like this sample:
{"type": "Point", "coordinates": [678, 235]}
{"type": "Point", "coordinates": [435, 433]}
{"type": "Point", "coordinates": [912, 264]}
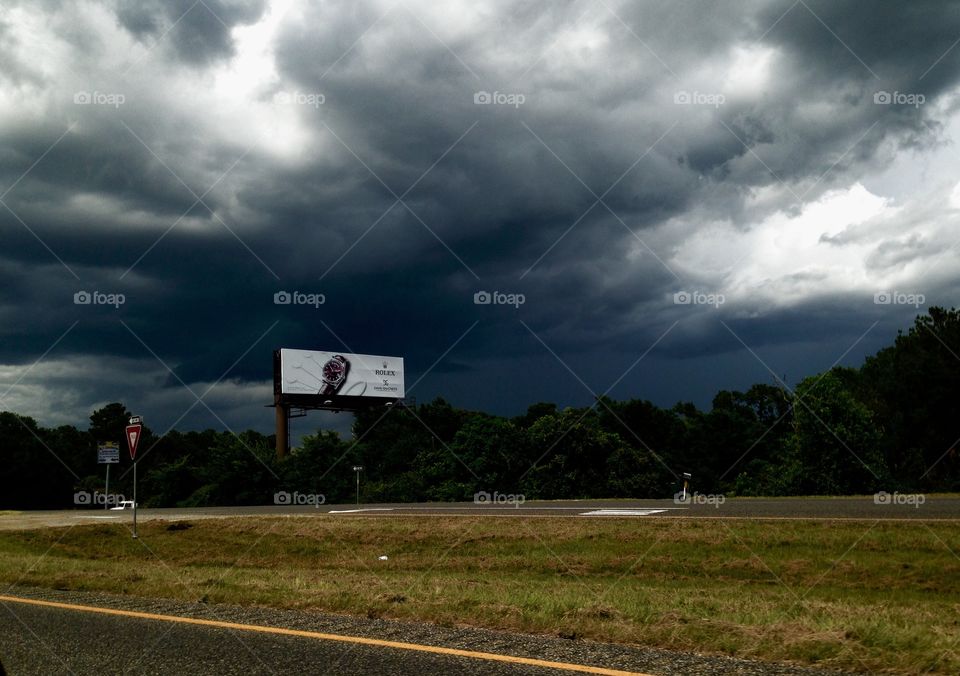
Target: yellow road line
{"type": "Point", "coordinates": [456, 652]}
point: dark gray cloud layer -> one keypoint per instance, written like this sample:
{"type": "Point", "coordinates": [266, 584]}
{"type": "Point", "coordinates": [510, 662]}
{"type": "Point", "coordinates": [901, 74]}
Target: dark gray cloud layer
{"type": "Point", "coordinates": [202, 29]}
{"type": "Point", "coordinates": [339, 148]}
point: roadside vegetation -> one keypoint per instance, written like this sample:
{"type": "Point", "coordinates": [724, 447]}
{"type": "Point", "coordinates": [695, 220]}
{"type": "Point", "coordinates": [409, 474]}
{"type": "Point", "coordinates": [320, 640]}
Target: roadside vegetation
{"type": "Point", "coordinates": [889, 425]}
{"type": "Point", "coordinates": [864, 596]}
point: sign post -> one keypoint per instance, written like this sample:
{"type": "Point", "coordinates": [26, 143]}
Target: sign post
{"type": "Point", "coordinates": [108, 453]}
{"type": "Point", "coordinates": [358, 469]}
{"type": "Point", "coordinates": [133, 439]}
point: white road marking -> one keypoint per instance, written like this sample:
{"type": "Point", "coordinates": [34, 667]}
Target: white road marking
{"type": "Point", "coordinates": [623, 512]}
{"type": "Point", "coordinates": [354, 511]}
{"type": "Point", "coordinates": [98, 517]}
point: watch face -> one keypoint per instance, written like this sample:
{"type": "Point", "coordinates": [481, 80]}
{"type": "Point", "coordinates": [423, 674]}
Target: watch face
{"type": "Point", "coordinates": [334, 370]}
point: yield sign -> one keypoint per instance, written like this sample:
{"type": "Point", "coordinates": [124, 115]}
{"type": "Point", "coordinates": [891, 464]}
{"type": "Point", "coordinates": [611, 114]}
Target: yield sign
{"type": "Point", "coordinates": [133, 438]}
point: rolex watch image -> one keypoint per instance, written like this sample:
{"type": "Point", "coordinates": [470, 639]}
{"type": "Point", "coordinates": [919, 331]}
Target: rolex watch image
{"type": "Point", "coordinates": [334, 374]}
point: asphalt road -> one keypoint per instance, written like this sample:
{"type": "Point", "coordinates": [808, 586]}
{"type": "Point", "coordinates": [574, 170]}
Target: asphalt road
{"type": "Point", "coordinates": [863, 508]}
{"type": "Point", "coordinates": [38, 639]}
{"type": "Point", "coordinates": [53, 641]}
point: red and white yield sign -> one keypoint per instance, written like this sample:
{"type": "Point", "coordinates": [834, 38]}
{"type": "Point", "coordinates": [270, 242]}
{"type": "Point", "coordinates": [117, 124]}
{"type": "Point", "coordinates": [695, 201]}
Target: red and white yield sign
{"type": "Point", "coordinates": [133, 436]}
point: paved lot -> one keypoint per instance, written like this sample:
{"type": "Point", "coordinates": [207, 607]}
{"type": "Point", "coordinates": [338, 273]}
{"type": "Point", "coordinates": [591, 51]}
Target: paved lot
{"type": "Point", "coordinates": [865, 508]}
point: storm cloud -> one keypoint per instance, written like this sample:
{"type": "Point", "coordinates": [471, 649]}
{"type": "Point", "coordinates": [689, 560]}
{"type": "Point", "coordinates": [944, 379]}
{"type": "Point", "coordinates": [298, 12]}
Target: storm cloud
{"type": "Point", "coordinates": [727, 185]}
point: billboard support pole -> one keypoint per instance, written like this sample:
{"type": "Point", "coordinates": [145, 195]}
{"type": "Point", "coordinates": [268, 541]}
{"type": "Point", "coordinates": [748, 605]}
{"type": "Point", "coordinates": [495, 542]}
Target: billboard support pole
{"type": "Point", "coordinates": [106, 490]}
{"type": "Point", "coordinates": [283, 428]}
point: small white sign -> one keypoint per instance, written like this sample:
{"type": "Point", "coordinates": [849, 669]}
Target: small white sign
{"type": "Point", "coordinates": [108, 453]}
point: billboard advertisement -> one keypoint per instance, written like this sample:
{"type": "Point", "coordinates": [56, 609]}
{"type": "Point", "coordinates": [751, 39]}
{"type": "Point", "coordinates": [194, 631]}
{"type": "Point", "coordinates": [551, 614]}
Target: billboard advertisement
{"type": "Point", "coordinates": [314, 378]}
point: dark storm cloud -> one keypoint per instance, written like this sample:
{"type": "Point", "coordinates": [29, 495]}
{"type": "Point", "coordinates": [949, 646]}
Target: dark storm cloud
{"type": "Point", "coordinates": [200, 32]}
{"type": "Point", "coordinates": [304, 197]}
{"type": "Point", "coordinates": [406, 114]}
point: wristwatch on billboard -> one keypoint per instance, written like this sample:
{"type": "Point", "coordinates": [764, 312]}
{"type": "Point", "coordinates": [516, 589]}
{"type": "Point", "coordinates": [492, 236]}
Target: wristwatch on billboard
{"type": "Point", "coordinates": [334, 374]}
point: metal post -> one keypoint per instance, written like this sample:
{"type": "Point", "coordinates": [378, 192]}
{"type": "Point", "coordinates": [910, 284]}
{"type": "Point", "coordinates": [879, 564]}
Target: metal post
{"type": "Point", "coordinates": [282, 428]}
{"type": "Point", "coordinates": [134, 499]}
{"type": "Point", "coordinates": [358, 469]}
{"type": "Point", "coordinates": [106, 491]}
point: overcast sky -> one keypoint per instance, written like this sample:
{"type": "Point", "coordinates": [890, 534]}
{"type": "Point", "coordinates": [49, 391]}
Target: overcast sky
{"type": "Point", "coordinates": [690, 196]}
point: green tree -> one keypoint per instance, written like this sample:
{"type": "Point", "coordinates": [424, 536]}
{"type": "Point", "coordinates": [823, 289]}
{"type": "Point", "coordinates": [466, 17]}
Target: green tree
{"type": "Point", "coordinates": [534, 413]}
{"type": "Point", "coordinates": [109, 423]}
{"type": "Point", "coordinates": [237, 470]}
{"type": "Point", "coordinates": [654, 439]}
{"type": "Point", "coordinates": [912, 387]}
{"type": "Point", "coordinates": [174, 466]}
{"type": "Point", "coordinates": [742, 440]}
{"type": "Point", "coordinates": [835, 441]}
{"type": "Point", "coordinates": [573, 456]}
{"type": "Point", "coordinates": [322, 464]}
{"type": "Point", "coordinates": [32, 474]}
{"type": "Point", "coordinates": [493, 454]}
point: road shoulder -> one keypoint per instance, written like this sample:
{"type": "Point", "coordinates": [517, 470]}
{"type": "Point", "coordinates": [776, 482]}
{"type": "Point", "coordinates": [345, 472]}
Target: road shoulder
{"type": "Point", "coordinates": [553, 649]}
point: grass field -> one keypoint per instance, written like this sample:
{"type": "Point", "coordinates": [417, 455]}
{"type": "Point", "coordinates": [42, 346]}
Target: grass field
{"type": "Point", "coordinates": [857, 595]}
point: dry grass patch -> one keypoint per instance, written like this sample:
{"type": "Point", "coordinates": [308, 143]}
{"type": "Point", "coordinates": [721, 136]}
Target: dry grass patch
{"type": "Point", "coordinates": [839, 594]}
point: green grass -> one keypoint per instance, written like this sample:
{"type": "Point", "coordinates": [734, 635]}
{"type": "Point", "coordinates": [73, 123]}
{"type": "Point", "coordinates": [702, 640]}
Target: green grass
{"type": "Point", "coordinates": [854, 595]}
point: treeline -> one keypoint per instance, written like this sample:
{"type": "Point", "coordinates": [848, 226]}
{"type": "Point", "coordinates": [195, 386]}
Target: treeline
{"type": "Point", "coordinates": [891, 424]}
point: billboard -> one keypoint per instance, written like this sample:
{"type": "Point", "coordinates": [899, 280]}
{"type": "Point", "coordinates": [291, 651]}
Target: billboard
{"type": "Point", "coordinates": [336, 379]}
